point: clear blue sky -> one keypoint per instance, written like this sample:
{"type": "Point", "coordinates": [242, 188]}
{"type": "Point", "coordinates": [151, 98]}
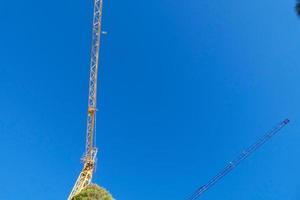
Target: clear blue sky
{"type": "Point", "coordinates": [185, 86]}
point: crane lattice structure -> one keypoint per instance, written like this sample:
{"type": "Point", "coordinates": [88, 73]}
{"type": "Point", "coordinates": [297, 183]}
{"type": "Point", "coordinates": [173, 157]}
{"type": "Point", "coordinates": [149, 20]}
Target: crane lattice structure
{"type": "Point", "coordinates": [233, 164]}
{"type": "Point", "coordinates": [89, 158]}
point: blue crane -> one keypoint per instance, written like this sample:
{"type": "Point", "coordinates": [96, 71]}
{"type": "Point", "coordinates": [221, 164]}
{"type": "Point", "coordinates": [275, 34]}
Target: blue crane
{"type": "Point", "coordinates": [233, 164]}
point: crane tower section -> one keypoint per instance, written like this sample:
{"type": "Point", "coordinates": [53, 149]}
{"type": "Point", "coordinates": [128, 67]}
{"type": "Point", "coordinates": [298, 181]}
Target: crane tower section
{"type": "Point", "coordinates": [92, 101]}
{"type": "Point", "coordinates": [89, 158]}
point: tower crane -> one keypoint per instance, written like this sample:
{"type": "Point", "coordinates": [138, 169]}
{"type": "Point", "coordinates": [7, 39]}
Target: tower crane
{"type": "Point", "coordinates": [89, 158]}
{"type": "Point", "coordinates": [233, 164]}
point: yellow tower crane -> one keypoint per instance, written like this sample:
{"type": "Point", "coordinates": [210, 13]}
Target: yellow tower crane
{"type": "Point", "coordinates": [89, 158]}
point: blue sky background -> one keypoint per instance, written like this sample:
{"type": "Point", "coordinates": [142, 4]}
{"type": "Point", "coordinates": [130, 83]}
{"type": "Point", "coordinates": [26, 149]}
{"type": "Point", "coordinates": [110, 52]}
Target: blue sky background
{"type": "Point", "coordinates": [185, 86]}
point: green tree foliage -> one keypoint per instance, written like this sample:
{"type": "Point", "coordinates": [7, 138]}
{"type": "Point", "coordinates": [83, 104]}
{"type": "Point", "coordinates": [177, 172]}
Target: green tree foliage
{"type": "Point", "coordinates": [297, 8]}
{"type": "Point", "coordinates": [93, 192]}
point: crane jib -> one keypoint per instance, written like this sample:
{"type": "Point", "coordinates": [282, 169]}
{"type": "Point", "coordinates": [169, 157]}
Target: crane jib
{"type": "Point", "coordinates": [233, 164]}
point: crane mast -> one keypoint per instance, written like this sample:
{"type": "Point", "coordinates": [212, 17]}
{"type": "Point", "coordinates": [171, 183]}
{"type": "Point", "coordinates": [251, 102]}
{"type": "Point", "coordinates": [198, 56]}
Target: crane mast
{"type": "Point", "coordinates": [233, 164]}
{"type": "Point", "coordinates": [89, 158]}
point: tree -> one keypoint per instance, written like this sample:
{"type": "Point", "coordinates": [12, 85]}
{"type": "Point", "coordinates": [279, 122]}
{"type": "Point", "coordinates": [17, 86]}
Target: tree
{"type": "Point", "coordinates": [93, 192]}
{"type": "Point", "coordinates": [297, 7]}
